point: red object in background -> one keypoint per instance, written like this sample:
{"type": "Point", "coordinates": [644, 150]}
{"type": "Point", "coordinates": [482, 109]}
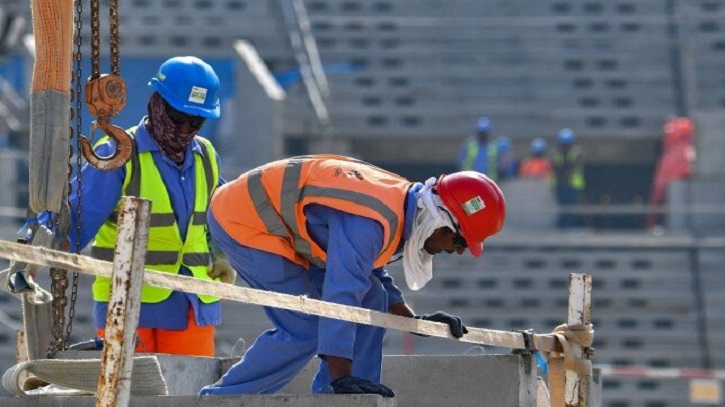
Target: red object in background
{"type": "Point", "coordinates": [676, 160]}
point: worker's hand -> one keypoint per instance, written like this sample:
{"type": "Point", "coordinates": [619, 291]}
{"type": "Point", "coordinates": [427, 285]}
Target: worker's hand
{"type": "Point", "coordinates": [223, 269]}
{"type": "Point", "coordinates": [357, 385]}
{"type": "Point", "coordinates": [454, 322]}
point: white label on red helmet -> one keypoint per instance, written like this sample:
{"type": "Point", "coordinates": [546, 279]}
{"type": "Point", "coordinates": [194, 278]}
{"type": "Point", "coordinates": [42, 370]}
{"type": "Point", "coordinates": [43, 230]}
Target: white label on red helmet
{"type": "Point", "coordinates": [473, 205]}
{"type": "Point", "coordinates": [197, 95]}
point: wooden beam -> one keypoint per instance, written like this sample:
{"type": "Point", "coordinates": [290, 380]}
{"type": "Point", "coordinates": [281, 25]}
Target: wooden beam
{"type": "Point", "coordinates": [114, 383]}
{"type": "Point", "coordinates": [88, 265]}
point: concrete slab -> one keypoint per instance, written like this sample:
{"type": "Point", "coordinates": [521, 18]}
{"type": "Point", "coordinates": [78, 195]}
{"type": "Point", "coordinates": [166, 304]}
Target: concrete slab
{"type": "Point", "coordinates": [460, 380]}
{"type": "Point", "coordinates": [212, 401]}
{"type": "Point", "coordinates": [419, 381]}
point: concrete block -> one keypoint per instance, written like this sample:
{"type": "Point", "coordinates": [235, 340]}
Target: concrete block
{"type": "Point", "coordinates": [530, 204]}
{"type": "Point", "coordinates": [708, 193]}
{"type": "Point", "coordinates": [709, 143]}
{"type": "Point", "coordinates": [460, 380]}
{"type": "Point", "coordinates": [343, 400]}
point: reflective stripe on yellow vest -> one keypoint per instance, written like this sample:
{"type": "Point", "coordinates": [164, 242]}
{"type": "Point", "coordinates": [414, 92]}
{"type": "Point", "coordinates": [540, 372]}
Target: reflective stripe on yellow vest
{"type": "Point", "coordinates": [472, 148]}
{"type": "Point", "coordinates": [264, 208]}
{"type": "Point", "coordinates": [166, 251]}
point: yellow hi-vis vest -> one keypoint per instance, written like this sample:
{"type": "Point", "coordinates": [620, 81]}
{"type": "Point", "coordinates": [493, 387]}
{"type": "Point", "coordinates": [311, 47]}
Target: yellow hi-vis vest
{"type": "Point", "coordinates": [472, 148]}
{"type": "Point", "coordinates": [572, 159]}
{"type": "Point", "coordinates": [166, 251]}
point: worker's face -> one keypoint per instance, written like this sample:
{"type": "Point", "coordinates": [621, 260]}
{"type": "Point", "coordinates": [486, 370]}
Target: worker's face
{"type": "Point", "coordinates": [445, 240]}
{"type": "Point", "coordinates": [482, 136]}
{"type": "Point", "coordinates": [185, 121]}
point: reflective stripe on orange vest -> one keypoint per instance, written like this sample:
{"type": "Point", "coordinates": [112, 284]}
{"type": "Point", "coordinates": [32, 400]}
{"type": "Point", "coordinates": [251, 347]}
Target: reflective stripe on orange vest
{"type": "Point", "coordinates": [264, 208]}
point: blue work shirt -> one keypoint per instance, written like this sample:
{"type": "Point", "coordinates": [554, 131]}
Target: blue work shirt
{"type": "Point", "coordinates": [101, 191]}
{"type": "Point", "coordinates": [357, 242]}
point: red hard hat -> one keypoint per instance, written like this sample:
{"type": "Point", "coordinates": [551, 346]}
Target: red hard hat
{"type": "Point", "coordinates": [477, 204]}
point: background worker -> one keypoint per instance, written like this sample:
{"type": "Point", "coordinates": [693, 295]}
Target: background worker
{"type": "Point", "coordinates": [568, 176]}
{"type": "Point", "coordinates": [507, 166]}
{"type": "Point", "coordinates": [325, 227]}
{"type": "Point", "coordinates": [478, 153]}
{"type": "Point", "coordinates": [178, 171]}
{"type": "Point", "coordinates": [537, 165]}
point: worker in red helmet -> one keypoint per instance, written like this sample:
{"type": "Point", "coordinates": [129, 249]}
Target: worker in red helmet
{"type": "Point", "coordinates": [325, 227]}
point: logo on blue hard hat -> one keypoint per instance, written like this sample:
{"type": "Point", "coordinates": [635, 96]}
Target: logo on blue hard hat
{"type": "Point", "coordinates": [197, 95]}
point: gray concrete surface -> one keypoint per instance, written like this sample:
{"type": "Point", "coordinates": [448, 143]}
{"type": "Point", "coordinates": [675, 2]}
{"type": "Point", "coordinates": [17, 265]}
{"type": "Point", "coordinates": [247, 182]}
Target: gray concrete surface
{"type": "Point", "coordinates": [212, 401]}
{"type": "Point", "coordinates": [419, 381]}
{"type": "Point", "coordinates": [461, 380]}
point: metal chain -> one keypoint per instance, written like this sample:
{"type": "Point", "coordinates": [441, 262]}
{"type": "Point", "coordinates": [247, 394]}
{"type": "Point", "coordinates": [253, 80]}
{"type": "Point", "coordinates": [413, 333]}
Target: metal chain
{"type": "Point", "coordinates": [95, 39]}
{"type": "Point", "coordinates": [58, 286]}
{"type": "Point", "coordinates": [114, 39]}
{"type": "Point", "coordinates": [79, 163]}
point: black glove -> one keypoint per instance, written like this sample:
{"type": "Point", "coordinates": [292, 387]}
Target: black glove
{"type": "Point", "coordinates": [454, 322]}
{"type": "Point", "coordinates": [357, 385]}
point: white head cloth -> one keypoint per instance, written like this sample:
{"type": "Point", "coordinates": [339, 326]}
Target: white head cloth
{"type": "Point", "coordinates": [429, 216]}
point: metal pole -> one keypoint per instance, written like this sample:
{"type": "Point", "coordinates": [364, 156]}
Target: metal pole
{"type": "Point", "coordinates": [114, 383]}
{"type": "Point", "coordinates": [580, 313]}
{"type": "Point", "coordinates": [700, 308]}
{"type": "Point", "coordinates": [676, 54]}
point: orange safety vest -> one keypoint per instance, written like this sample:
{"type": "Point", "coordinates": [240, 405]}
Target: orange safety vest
{"type": "Point", "coordinates": [264, 207]}
{"type": "Point", "coordinates": [536, 168]}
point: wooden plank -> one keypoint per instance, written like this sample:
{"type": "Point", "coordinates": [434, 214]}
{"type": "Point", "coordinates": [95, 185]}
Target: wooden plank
{"type": "Point", "coordinates": [88, 265]}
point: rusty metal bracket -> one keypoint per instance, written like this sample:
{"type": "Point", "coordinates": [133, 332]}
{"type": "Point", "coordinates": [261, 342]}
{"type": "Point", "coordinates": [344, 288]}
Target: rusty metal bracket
{"type": "Point", "coordinates": [528, 335]}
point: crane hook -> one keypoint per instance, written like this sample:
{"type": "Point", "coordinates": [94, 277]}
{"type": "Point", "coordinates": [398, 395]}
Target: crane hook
{"type": "Point", "coordinates": [124, 146]}
{"type": "Point", "coordinates": [105, 97]}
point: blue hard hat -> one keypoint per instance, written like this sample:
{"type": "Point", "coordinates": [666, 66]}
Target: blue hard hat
{"type": "Point", "coordinates": [189, 85]}
{"type": "Point", "coordinates": [483, 125]}
{"type": "Point", "coordinates": [566, 136]}
{"type": "Point", "coordinates": [503, 144]}
{"type": "Point", "coordinates": [538, 146]}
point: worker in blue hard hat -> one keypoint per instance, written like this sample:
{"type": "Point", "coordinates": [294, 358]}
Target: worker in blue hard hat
{"type": "Point", "coordinates": [537, 165]}
{"type": "Point", "coordinates": [507, 165]}
{"type": "Point", "coordinates": [568, 180]}
{"type": "Point", "coordinates": [177, 170]}
{"type": "Point", "coordinates": [478, 153]}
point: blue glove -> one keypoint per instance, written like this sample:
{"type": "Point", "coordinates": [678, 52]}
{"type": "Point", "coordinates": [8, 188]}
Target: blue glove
{"type": "Point", "coordinates": [454, 322]}
{"type": "Point", "coordinates": [357, 385]}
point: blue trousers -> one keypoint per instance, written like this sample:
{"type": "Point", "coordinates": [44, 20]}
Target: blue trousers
{"type": "Point", "coordinates": [279, 354]}
{"type": "Point", "coordinates": [567, 197]}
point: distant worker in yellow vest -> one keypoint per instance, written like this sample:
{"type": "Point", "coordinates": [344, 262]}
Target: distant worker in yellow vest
{"type": "Point", "coordinates": [479, 152]}
{"type": "Point", "coordinates": [569, 181]}
{"type": "Point", "coordinates": [325, 227]}
{"type": "Point", "coordinates": [178, 171]}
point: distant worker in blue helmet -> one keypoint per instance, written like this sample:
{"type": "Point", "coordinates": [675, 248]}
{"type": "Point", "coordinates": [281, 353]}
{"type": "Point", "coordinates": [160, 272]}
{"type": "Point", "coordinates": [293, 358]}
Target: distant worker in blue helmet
{"type": "Point", "coordinates": [478, 153]}
{"type": "Point", "coordinates": [568, 180]}
{"type": "Point", "coordinates": [507, 165]}
{"type": "Point", "coordinates": [537, 165]}
{"type": "Point", "coordinates": [178, 171]}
